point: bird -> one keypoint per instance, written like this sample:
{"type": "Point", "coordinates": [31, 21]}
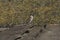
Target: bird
{"type": "Point", "coordinates": [31, 18]}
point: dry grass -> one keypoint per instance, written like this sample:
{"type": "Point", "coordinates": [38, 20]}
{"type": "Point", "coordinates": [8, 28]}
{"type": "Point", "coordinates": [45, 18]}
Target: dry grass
{"type": "Point", "coordinates": [18, 11]}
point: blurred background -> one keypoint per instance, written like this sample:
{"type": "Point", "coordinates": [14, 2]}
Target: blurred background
{"type": "Point", "coordinates": [18, 11]}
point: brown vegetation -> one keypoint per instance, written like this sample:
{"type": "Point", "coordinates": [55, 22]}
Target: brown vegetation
{"type": "Point", "coordinates": [18, 11]}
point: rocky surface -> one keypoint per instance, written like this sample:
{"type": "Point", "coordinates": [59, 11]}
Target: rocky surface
{"type": "Point", "coordinates": [28, 32]}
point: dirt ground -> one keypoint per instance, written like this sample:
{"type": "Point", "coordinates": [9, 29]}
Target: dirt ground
{"type": "Point", "coordinates": [27, 32]}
